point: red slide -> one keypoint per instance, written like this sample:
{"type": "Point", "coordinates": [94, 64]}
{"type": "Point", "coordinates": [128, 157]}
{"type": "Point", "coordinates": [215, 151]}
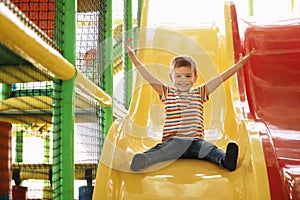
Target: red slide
{"type": "Point", "coordinates": [272, 89]}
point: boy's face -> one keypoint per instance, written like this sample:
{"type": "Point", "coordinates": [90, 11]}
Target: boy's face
{"type": "Point", "coordinates": [183, 78]}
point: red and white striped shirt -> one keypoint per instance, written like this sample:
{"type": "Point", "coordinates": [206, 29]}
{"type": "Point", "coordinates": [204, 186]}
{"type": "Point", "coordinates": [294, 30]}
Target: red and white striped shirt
{"type": "Point", "coordinates": [184, 113]}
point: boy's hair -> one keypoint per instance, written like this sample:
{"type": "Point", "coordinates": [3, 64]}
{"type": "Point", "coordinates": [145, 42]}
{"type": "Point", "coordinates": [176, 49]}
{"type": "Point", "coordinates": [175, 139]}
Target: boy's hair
{"type": "Point", "coordinates": [183, 61]}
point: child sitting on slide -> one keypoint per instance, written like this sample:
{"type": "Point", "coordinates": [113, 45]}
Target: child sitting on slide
{"type": "Point", "coordinates": [183, 131]}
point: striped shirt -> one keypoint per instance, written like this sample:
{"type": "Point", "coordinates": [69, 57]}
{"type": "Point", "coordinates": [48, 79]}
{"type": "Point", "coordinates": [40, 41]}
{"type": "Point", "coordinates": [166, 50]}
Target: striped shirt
{"type": "Point", "coordinates": [184, 113]}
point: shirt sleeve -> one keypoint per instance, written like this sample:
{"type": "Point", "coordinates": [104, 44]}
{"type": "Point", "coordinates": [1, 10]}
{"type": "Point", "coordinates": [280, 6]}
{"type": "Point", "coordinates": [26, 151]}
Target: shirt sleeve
{"type": "Point", "coordinates": [165, 90]}
{"type": "Point", "coordinates": [203, 93]}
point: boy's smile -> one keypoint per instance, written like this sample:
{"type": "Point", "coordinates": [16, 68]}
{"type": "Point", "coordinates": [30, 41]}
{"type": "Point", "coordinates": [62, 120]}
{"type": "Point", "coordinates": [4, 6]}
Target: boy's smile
{"type": "Point", "coordinates": [183, 78]}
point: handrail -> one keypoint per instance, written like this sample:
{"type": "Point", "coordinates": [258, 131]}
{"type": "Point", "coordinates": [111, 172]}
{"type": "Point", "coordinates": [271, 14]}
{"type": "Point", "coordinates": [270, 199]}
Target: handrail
{"type": "Point", "coordinates": [24, 41]}
{"type": "Point", "coordinates": [92, 90]}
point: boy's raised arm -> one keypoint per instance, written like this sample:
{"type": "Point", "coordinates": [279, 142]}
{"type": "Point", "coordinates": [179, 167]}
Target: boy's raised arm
{"type": "Point", "coordinates": [152, 80]}
{"type": "Point", "coordinates": [214, 83]}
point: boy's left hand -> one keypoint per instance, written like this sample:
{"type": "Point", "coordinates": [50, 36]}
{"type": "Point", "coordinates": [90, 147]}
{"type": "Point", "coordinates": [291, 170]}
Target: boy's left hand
{"type": "Point", "coordinates": [247, 56]}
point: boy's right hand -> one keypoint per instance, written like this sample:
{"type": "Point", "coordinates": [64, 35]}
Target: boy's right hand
{"type": "Point", "coordinates": [131, 53]}
{"type": "Point", "coordinates": [129, 49]}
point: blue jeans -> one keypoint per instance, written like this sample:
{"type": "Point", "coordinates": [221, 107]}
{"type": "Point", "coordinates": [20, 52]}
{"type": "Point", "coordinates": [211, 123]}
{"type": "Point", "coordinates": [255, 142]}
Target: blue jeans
{"type": "Point", "coordinates": [178, 148]}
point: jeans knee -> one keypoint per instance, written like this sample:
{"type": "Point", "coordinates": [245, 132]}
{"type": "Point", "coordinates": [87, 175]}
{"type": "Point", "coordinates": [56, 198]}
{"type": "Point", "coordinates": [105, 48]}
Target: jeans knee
{"type": "Point", "coordinates": [206, 149]}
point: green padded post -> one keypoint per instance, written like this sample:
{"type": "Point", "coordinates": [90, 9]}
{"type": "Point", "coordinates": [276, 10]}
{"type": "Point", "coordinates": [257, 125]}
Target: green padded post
{"type": "Point", "coordinates": [251, 10]}
{"type": "Point", "coordinates": [127, 63]}
{"type": "Point", "coordinates": [108, 71]}
{"type": "Point", "coordinates": [63, 111]}
{"type": "Point", "coordinates": [6, 90]}
{"type": "Point", "coordinates": [19, 147]}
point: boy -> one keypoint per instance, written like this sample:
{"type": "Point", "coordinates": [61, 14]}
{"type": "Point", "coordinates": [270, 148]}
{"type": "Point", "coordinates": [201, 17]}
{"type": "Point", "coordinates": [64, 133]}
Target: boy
{"type": "Point", "coordinates": [183, 132]}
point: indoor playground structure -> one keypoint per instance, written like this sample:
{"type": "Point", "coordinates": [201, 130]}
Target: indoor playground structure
{"type": "Point", "coordinates": [73, 110]}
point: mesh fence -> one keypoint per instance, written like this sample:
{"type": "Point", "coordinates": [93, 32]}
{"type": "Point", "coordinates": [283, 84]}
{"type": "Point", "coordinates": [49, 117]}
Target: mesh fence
{"type": "Point", "coordinates": [27, 102]}
{"type": "Point", "coordinates": [29, 96]}
{"type": "Point", "coordinates": [40, 12]}
{"type": "Point", "coordinates": [27, 99]}
{"type": "Point", "coordinates": [89, 136]}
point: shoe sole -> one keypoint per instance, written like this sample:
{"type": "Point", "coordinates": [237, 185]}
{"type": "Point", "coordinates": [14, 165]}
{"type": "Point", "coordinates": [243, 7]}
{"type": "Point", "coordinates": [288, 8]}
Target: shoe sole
{"type": "Point", "coordinates": [231, 156]}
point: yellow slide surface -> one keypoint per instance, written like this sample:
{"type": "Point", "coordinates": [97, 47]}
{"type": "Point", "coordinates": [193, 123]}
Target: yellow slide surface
{"type": "Point", "coordinates": [142, 128]}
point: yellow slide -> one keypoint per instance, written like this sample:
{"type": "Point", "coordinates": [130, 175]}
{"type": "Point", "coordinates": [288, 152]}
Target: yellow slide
{"type": "Point", "coordinates": [142, 128]}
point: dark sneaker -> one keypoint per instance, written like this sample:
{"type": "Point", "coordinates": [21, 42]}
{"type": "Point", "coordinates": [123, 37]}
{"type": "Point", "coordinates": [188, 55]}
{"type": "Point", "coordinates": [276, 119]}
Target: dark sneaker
{"type": "Point", "coordinates": [231, 155]}
{"type": "Point", "coordinates": [138, 162]}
